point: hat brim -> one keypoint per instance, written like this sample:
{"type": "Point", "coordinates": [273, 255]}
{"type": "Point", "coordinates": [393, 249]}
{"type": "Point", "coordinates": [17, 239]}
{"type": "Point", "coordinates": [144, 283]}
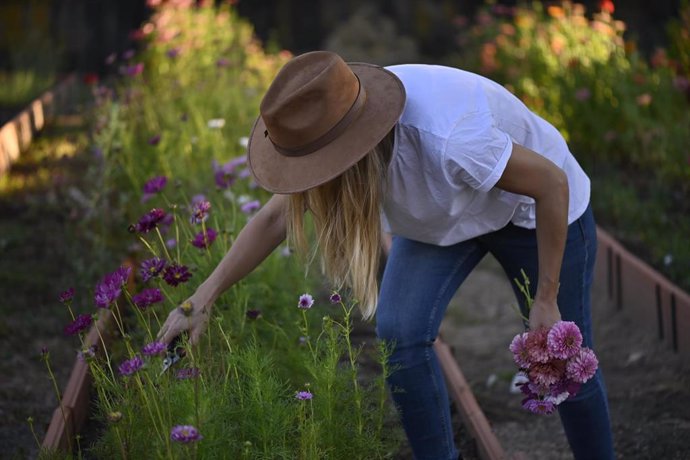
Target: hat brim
{"type": "Point", "coordinates": [283, 174]}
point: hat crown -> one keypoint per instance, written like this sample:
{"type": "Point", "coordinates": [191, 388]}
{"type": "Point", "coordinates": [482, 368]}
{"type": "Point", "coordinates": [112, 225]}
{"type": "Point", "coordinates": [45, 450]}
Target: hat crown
{"type": "Point", "coordinates": [308, 98]}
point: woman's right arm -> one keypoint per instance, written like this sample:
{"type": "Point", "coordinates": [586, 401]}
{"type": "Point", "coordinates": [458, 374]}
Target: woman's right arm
{"type": "Point", "coordinates": [262, 234]}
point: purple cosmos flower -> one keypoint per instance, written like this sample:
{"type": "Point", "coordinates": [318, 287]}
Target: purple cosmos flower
{"type": "Point", "coordinates": [66, 296]}
{"type": "Point", "coordinates": [224, 175]}
{"type": "Point", "coordinates": [303, 395]}
{"type": "Point", "coordinates": [305, 301]}
{"type": "Point", "coordinates": [151, 268]}
{"type": "Point", "coordinates": [110, 287]}
{"type": "Point", "coordinates": [222, 62]}
{"type": "Point", "coordinates": [127, 55]}
{"type": "Point", "coordinates": [154, 348]}
{"type": "Point", "coordinates": [200, 211]}
{"type": "Point", "coordinates": [44, 352]}
{"type": "Point", "coordinates": [131, 366]}
{"type": "Point", "coordinates": [538, 406]}
{"type": "Point", "coordinates": [253, 314]}
{"type": "Point", "coordinates": [251, 206]}
{"type": "Point", "coordinates": [154, 140]}
{"type": "Point", "coordinates": [80, 323]}
{"type": "Point", "coordinates": [171, 243]}
{"type": "Point", "coordinates": [204, 239]}
{"type": "Point", "coordinates": [185, 434]}
{"type": "Point", "coordinates": [582, 366]}
{"type": "Point", "coordinates": [564, 339]}
{"type": "Point", "coordinates": [335, 298]}
{"type": "Point", "coordinates": [520, 352]}
{"type": "Point", "coordinates": [172, 53]}
{"type": "Point", "coordinates": [147, 297]}
{"type": "Point", "coordinates": [303, 340]}
{"type": "Point", "coordinates": [176, 274]}
{"type": "Point", "coordinates": [244, 173]}
{"type": "Point", "coordinates": [150, 220]}
{"type": "Point", "coordinates": [188, 373]}
{"type": "Point", "coordinates": [153, 186]}
{"type": "Point", "coordinates": [134, 69]}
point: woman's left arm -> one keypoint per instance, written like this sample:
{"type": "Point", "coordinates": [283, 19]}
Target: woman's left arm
{"type": "Point", "coordinates": [528, 173]}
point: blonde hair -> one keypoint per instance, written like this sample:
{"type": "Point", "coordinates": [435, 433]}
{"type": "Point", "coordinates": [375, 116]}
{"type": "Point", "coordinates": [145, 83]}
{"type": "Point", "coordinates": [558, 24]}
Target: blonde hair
{"type": "Point", "coordinates": [347, 220]}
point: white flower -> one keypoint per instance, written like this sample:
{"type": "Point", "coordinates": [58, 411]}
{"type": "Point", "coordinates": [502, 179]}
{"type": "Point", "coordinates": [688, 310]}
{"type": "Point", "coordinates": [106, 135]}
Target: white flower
{"type": "Point", "coordinates": [244, 142]}
{"type": "Point", "coordinates": [216, 123]}
{"type": "Point", "coordinates": [668, 259]}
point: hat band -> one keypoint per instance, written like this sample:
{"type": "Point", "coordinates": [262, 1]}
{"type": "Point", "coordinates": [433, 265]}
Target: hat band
{"type": "Point", "coordinates": [329, 135]}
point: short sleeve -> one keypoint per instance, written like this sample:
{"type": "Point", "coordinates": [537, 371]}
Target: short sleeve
{"type": "Point", "coordinates": [477, 152]}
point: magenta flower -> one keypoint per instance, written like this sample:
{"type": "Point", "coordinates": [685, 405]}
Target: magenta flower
{"type": "Point", "coordinates": [538, 406]}
{"type": "Point", "coordinates": [305, 301]}
{"type": "Point", "coordinates": [176, 274]}
{"type": "Point", "coordinates": [110, 287]}
{"type": "Point", "coordinates": [150, 220]}
{"type": "Point", "coordinates": [151, 268]}
{"type": "Point", "coordinates": [224, 175]}
{"type": "Point", "coordinates": [185, 434]}
{"type": "Point", "coordinates": [303, 395]}
{"type": "Point", "coordinates": [80, 323]}
{"type": "Point", "coordinates": [154, 348]}
{"type": "Point", "coordinates": [131, 366]}
{"type": "Point", "coordinates": [564, 339]}
{"type": "Point", "coordinates": [251, 207]}
{"type": "Point", "coordinates": [200, 211]}
{"type": "Point", "coordinates": [188, 373]}
{"type": "Point", "coordinates": [66, 296]}
{"type": "Point", "coordinates": [520, 352]}
{"type": "Point", "coordinates": [537, 347]}
{"type": "Point", "coordinates": [204, 239]}
{"type": "Point", "coordinates": [253, 314]}
{"type": "Point", "coordinates": [134, 69]}
{"type": "Point", "coordinates": [154, 140]}
{"type": "Point", "coordinates": [153, 186]}
{"type": "Point", "coordinates": [147, 297]}
{"type": "Point", "coordinates": [582, 366]}
{"type": "Point", "coordinates": [335, 298]}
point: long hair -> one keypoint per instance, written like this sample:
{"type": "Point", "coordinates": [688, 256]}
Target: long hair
{"type": "Point", "coordinates": [346, 214]}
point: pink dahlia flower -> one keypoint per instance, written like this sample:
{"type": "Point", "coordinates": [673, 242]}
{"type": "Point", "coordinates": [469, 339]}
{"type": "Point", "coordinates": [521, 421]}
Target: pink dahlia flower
{"type": "Point", "coordinates": [582, 366]}
{"type": "Point", "coordinates": [537, 346]}
{"type": "Point", "coordinates": [564, 339]}
{"type": "Point", "coordinates": [520, 352]}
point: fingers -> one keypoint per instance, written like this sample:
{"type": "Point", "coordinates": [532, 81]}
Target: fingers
{"type": "Point", "coordinates": [195, 335]}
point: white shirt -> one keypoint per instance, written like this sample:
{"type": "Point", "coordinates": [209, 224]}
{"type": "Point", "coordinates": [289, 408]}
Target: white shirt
{"type": "Point", "coordinates": [452, 144]}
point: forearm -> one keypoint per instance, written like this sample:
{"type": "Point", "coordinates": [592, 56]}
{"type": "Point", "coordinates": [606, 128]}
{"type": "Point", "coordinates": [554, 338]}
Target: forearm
{"type": "Point", "coordinates": [262, 234]}
{"type": "Point", "coordinates": [552, 228]}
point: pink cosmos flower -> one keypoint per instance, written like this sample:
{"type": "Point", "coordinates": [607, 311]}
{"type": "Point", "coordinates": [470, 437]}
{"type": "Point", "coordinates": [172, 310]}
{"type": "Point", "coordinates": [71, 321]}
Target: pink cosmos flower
{"type": "Point", "coordinates": [582, 366]}
{"type": "Point", "coordinates": [303, 395]}
{"type": "Point", "coordinates": [185, 434]}
{"type": "Point", "coordinates": [564, 339]}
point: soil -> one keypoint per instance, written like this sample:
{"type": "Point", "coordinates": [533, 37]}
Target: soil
{"type": "Point", "coordinates": [43, 250]}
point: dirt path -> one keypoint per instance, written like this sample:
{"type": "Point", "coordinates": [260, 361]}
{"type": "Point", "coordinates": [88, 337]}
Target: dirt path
{"type": "Point", "coordinates": [649, 386]}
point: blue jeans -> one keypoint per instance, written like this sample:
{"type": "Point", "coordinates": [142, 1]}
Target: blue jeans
{"type": "Point", "coordinates": [418, 283]}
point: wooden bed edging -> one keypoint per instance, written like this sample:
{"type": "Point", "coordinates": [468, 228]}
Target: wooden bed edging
{"type": "Point", "coordinates": [68, 420]}
{"type": "Point", "coordinates": [472, 416]}
{"type": "Point", "coordinates": [17, 134]}
{"type": "Point", "coordinates": [652, 302]}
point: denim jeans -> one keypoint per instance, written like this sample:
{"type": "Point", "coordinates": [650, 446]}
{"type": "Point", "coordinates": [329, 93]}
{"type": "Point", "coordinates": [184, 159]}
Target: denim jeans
{"type": "Point", "coordinates": [419, 281]}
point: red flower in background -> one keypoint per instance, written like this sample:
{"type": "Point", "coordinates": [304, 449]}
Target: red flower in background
{"type": "Point", "coordinates": [91, 78]}
{"type": "Point", "coordinates": [607, 6]}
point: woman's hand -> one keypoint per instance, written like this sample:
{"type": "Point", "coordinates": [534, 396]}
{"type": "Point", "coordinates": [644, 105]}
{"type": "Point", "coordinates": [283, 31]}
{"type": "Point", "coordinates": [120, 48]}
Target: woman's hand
{"type": "Point", "coordinates": [543, 314]}
{"type": "Point", "coordinates": [191, 316]}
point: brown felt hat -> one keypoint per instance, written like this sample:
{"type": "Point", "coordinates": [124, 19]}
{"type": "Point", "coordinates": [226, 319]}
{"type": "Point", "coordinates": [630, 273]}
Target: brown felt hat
{"type": "Point", "coordinates": [319, 117]}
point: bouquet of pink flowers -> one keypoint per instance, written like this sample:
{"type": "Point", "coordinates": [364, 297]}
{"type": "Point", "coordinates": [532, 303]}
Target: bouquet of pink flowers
{"type": "Point", "coordinates": [554, 365]}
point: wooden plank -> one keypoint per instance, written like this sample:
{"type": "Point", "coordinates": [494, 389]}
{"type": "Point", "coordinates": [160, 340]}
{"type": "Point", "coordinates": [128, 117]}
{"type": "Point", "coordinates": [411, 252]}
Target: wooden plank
{"type": "Point", "coordinates": [487, 443]}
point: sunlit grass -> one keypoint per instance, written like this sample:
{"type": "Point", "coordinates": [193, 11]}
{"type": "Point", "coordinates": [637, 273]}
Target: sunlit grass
{"type": "Point", "coordinates": [21, 86]}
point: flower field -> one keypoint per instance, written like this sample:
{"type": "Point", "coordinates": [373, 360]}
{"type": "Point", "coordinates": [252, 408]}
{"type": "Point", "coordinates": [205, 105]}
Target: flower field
{"type": "Point", "coordinates": [276, 371]}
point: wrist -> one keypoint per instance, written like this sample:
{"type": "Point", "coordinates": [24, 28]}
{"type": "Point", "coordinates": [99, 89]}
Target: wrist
{"type": "Point", "coordinates": [547, 292]}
